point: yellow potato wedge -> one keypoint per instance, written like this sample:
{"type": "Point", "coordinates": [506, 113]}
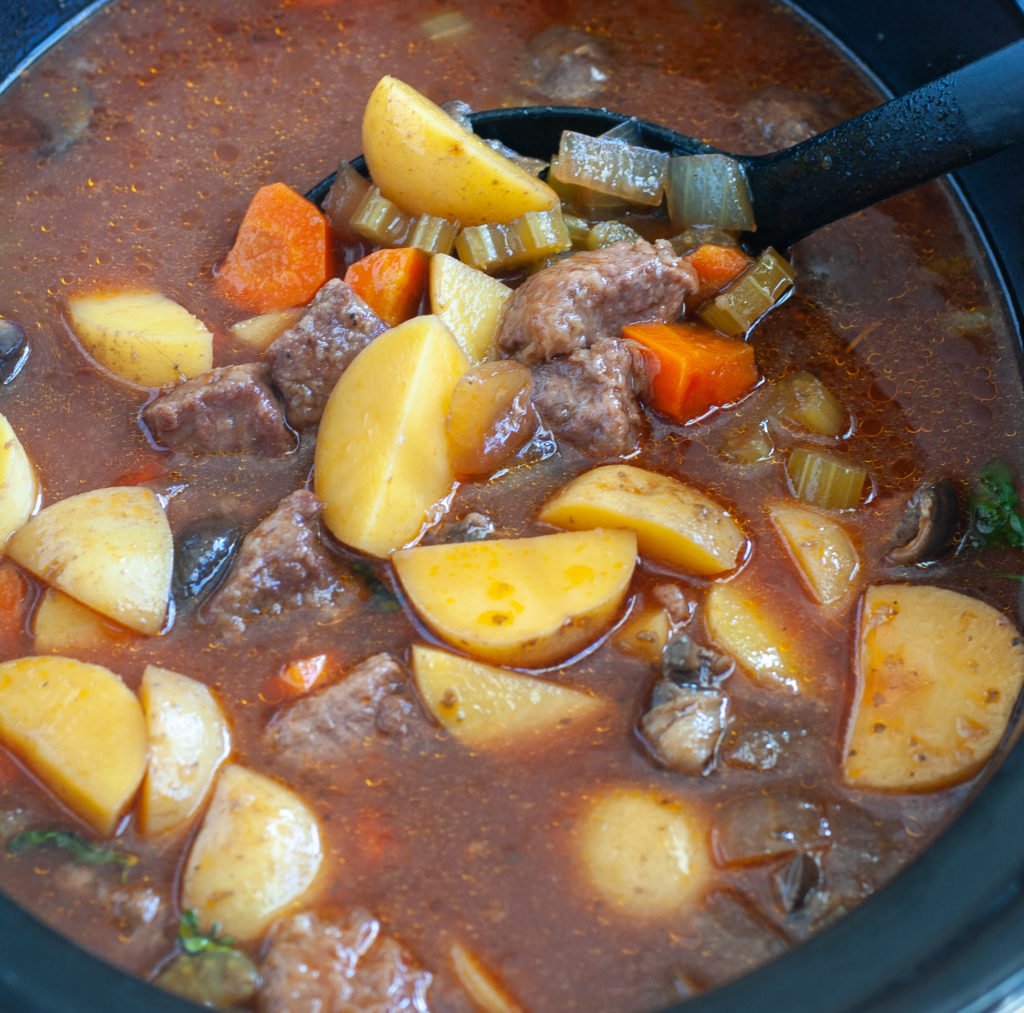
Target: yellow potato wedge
{"type": "Point", "coordinates": [526, 602]}
{"type": "Point", "coordinates": [824, 555]}
{"type": "Point", "coordinates": [938, 675]}
{"type": "Point", "coordinates": [487, 993]}
{"type": "Point", "coordinates": [260, 332]}
{"type": "Point", "coordinates": [257, 853]}
{"type": "Point", "coordinates": [743, 624]}
{"type": "Point", "coordinates": [62, 625]}
{"type": "Point", "coordinates": [489, 708]}
{"type": "Point", "coordinates": [645, 633]}
{"type": "Point", "coordinates": [645, 853]}
{"type": "Point", "coordinates": [188, 741]}
{"type": "Point", "coordinates": [428, 164]}
{"type": "Point", "coordinates": [19, 488]}
{"type": "Point", "coordinates": [469, 302]}
{"type": "Point", "coordinates": [382, 463]}
{"type": "Point", "coordinates": [80, 730]}
{"type": "Point", "coordinates": [111, 549]}
{"type": "Point", "coordinates": [142, 336]}
{"type": "Point", "coordinates": [675, 524]}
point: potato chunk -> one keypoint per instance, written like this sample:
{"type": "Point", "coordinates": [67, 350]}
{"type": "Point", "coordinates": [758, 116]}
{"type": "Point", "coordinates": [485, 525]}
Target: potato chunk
{"type": "Point", "coordinates": [257, 853]}
{"type": "Point", "coordinates": [110, 548]}
{"type": "Point", "coordinates": [19, 489]}
{"type": "Point", "coordinates": [487, 993]}
{"type": "Point", "coordinates": [742, 624]}
{"type": "Point", "coordinates": [470, 302]}
{"type": "Point", "coordinates": [643, 852]}
{"type": "Point", "coordinates": [62, 624]}
{"type": "Point", "coordinates": [80, 730]}
{"type": "Point", "coordinates": [260, 332]}
{"type": "Point", "coordinates": [382, 459]}
{"type": "Point", "coordinates": [821, 549]}
{"type": "Point", "coordinates": [488, 708]}
{"type": "Point", "coordinates": [188, 741]}
{"type": "Point", "coordinates": [141, 336]}
{"type": "Point", "coordinates": [675, 524]}
{"type": "Point", "coordinates": [938, 675]}
{"type": "Point", "coordinates": [430, 165]}
{"type": "Point", "coordinates": [520, 601]}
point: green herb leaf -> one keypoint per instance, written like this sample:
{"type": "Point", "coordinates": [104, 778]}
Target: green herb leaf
{"type": "Point", "coordinates": [996, 520]}
{"type": "Point", "coordinates": [81, 850]}
{"type": "Point", "coordinates": [382, 598]}
{"type": "Point", "coordinates": [193, 940]}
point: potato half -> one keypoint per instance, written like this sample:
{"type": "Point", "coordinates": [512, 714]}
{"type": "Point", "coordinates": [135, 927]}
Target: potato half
{"type": "Point", "coordinates": [526, 602]}
{"type": "Point", "coordinates": [938, 675]}
{"type": "Point", "coordinates": [111, 549]}
{"type": "Point", "coordinates": [19, 489]}
{"type": "Point", "coordinates": [80, 729]}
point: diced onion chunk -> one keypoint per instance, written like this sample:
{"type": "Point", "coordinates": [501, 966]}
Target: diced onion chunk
{"type": "Point", "coordinates": [805, 401]}
{"type": "Point", "coordinates": [611, 167]}
{"type": "Point", "coordinates": [708, 190]}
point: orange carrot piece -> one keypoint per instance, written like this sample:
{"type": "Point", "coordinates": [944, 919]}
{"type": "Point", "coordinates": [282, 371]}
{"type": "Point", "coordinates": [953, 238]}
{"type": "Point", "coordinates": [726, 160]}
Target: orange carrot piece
{"type": "Point", "coordinates": [296, 677]}
{"type": "Point", "coordinates": [716, 266]}
{"type": "Point", "coordinates": [391, 282]}
{"type": "Point", "coordinates": [281, 256]}
{"type": "Point", "coordinates": [148, 471]}
{"type": "Point", "coordinates": [13, 605]}
{"type": "Point", "coordinates": [698, 369]}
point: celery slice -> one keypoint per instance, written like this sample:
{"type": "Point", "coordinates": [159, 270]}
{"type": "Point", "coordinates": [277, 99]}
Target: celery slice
{"type": "Point", "coordinates": [611, 167]}
{"type": "Point", "coordinates": [805, 401]}
{"type": "Point", "coordinates": [531, 237]}
{"type": "Point", "coordinates": [578, 228]}
{"type": "Point", "coordinates": [708, 190]}
{"type": "Point", "coordinates": [433, 235]}
{"type": "Point", "coordinates": [752, 295]}
{"type": "Point", "coordinates": [749, 445]}
{"type": "Point", "coordinates": [824, 480]}
{"type": "Point", "coordinates": [345, 195]}
{"type": "Point", "coordinates": [605, 233]}
{"type": "Point", "coordinates": [381, 221]}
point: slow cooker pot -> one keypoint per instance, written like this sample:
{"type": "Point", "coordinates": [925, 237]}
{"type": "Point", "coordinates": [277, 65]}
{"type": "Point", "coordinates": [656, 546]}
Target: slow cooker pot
{"type": "Point", "coordinates": [948, 933]}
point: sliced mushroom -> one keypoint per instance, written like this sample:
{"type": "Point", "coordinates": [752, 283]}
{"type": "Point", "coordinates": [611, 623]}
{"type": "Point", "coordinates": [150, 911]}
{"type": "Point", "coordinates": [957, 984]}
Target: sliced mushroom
{"type": "Point", "coordinates": [928, 525]}
{"type": "Point", "coordinates": [684, 726]}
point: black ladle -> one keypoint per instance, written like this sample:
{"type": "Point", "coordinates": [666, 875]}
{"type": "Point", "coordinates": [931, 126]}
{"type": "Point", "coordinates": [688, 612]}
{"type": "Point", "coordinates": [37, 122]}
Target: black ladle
{"type": "Point", "coordinates": [950, 122]}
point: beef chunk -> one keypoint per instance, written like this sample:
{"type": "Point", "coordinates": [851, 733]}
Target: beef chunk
{"type": "Point", "coordinates": [590, 398]}
{"type": "Point", "coordinates": [672, 598]}
{"type": "Point", "coordinates": [230, 410]}
{"type": "Point", "coordinates": [281, 565]}
{"type": "Point", "coordinates": [568, 64]}
{"type": "Point", "coordinates": [684, 726]}
{"type": "Point", "coordinates": [782, 118]}
{"type": "Point", "coordinates": [373, 699]}
{"type": "Point", "coordinates": [344, 964]}
{"type": "Point", "coordinates": [306, 361]}
{"type": "Point", "coordinates": [592, 295]}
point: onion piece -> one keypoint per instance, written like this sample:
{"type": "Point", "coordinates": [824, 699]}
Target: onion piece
{"type": "Point", "coordinates": [806, 402]}
{"type": "Point", "coordinates": [344, 197]}
{"type": "Point", "coordinates": [708, 190]}
{"type": "Point", "coordinates": [611, 167]}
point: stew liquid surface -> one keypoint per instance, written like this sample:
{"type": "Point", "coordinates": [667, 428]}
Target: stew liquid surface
{"type": "Point", "coordinates": [129, 154]}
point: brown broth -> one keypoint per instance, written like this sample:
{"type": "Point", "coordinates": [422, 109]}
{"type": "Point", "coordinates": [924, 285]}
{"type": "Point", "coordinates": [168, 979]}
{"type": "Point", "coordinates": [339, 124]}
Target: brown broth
{"type": "Point", "coordinates": [193, 106]}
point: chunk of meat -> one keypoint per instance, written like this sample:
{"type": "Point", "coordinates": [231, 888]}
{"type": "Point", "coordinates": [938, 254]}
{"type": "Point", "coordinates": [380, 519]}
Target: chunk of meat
{"type": "Point", "coordinates": [592, 295]}
{"type": "Point", "coordinates": [228, 410]}
{"type": "Point", "coordinates": [281, 565]}
{"type": "Point", "coordinates": [342, 964]}
{"type": "Point", "coordinates": [306, 361]}
{"type": "Point", "coordinates": [684, 726]}
{"type": "Point", "coordinates": [373, 699]}
{"type": "Point", "coordinates": [673, 599]}
{"type": "Point", "coordinates": [782, 118]}
{"type": "Point", "coordinates": [568, 64]}
{"type": "Point", "coordinates": [590, 399]}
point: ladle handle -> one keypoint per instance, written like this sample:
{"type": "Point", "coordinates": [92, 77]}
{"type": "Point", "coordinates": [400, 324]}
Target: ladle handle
{"type": "Point", "coordinates": [950, 122]}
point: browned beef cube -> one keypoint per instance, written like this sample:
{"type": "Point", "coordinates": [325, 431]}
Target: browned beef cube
{"type": "Point", "coordinates": [593, 295]}
{"type": "Point", "coordinates": [280, 565]}
{"type": "Point", "coordinates": [373, 699]}
{"type": "Point", "coordinates": [684, 726]}
{"type": "Point", "coordinates": [230, 410]}
{"type": "Point", "coordinates": [590, 398]}
{"type": "Point", "coordinates": [307, 359]}
{"type": "Point", "coordinates": [344, 964]}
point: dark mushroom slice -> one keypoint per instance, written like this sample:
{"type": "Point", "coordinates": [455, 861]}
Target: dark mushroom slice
{"type": "Point", "coordinates": [203, 552]}
{"type": "Point", "coordinates": [684, 726]}
{"type": "Point", "coordinates": [687, 663]}
{"type": "Point", "coordinates": [796, 881]}
{"type": "Point", "coordinates": [13, 349]}
{"type": "Point", "coordinates": [929, 522]}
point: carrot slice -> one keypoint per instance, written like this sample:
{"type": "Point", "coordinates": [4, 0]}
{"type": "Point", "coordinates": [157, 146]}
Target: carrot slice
{"type": "Point", "coordinates": [698, 369]}
{"type": "Point", "coordinates": [296, 677]}
{"type": "Point", "coordinates": [148, 471]}
{"type": "Point", "coordinates": [391, 282]}
{"type": "Point", "coordinates": [13, 605]}
{"type": "Point", "coordinates": [716, 266]}
{"type": "Point", "coordinates": [281, 256]}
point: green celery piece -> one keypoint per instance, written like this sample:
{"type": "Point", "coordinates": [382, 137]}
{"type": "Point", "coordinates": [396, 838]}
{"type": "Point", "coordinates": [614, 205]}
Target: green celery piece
{"type": "Point", "coordinates": [753, 294]}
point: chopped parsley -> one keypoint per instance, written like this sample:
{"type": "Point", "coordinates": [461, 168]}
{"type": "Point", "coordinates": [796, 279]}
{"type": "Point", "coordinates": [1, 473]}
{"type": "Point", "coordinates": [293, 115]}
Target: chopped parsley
{"type": "Point", "coordinates": [81, 850]}
{"type": "Point", "coordinates": [193, 940]}
{"type": "Point", "coordinates": [996, 519]}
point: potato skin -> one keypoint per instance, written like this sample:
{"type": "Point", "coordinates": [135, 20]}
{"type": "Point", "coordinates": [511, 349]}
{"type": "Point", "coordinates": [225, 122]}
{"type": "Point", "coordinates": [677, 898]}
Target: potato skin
{"type": "Point", "coordinates": [257, 853]}
{"type": "Point", "coordinates": [110, 549]}
{"type": "Point", "coordinates": [675, 524]}
{"type": "Point", "coordinates": [526, 602]}
{"type": "Point", "coordinates": [80, 729]}
{"type": "Point", "coordinates": [427, 163]}
{"type": "Point", "coordinates": [938, 675]}
{"type": "Point", "coordinates": [382, 458]}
